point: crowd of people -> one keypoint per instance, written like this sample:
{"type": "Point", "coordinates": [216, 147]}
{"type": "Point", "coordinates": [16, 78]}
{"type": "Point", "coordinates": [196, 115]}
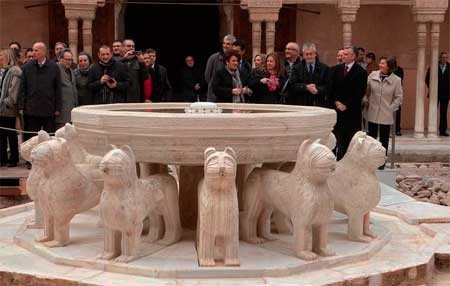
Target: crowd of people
{"type": "Point", "coordinates": [41, 92]}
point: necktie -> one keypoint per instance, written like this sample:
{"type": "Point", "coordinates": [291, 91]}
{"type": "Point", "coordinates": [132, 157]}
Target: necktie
{"type": "Point", "coordinates": [311, 69]}
{"type": "Point", "coordinates": [345, 70]}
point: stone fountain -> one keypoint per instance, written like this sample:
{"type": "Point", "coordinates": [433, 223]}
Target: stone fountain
{"type": "Point", "coordinates": [241, 136]}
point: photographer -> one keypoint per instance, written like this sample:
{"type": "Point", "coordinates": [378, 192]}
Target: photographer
{"type": "Point", "coordinates": [136, 70]}
{"type": "Point", "coordinates": [108, 79]}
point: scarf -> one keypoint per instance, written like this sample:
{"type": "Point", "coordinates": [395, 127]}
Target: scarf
{"type": "Point", "coordinates": [237, 83]}
{"type": "Point", "coordinates": [273, 83]}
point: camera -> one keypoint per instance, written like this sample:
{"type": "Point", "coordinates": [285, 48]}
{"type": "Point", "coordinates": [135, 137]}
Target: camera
{"type": "Point", "coordinates": [111, 80]}
{"type": "Point", "coordinates": [136, 53]}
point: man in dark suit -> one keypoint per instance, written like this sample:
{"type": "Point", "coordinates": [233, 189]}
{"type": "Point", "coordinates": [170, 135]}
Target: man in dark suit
{"type": "Point", "coordinates": [245, 68]}
{"type": "Point", "coordinates": [348, 84]}
{"type": "Point", "coordinates": [310, 79]}
{"type": "Point", "coordinates": [291, 60]}
{"type": "Point", "coordinates": [40, 99]}
{"type": "Point", "coordinates": [443, 91]}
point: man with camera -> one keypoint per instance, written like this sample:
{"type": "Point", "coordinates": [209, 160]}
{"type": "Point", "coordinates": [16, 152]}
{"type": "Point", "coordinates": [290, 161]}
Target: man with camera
{"type": "Point", "coordinates": [137, 71]}
{"type": "Point", "coordinates": [108, 79]}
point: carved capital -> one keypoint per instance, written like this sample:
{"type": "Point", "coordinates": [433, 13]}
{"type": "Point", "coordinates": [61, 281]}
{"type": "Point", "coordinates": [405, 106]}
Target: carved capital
{"type": "Point", "coordinates": [429, 11]}
{"type": "Point", "coordinates": [347, 9]}
{"type": "Point", "coordinates": [264, 10]}
{"type": "Point", "coordinates": [81, 9]}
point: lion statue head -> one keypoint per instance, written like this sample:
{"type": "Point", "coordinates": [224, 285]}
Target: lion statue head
{"type": "Point", "coordinates": [315, 160]}
{"type": "Point", "coordinates": [366, 151]}
{"type": "Point", "coordinates": [118, 167]}
{"type": "Point", "coordinates": [67, 132]}
{"type": "Point", "coordinates": [27, 146]}
{"type": "Point", "coordinates": [220, 165]}
{"type": "Point", "coordinates": [51, 154]}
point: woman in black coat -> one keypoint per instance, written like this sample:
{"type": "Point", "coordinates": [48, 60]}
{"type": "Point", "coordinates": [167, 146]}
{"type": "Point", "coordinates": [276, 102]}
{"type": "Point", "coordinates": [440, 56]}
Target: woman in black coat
{"type": "Point", "coordinates": [227, 84]}
{"type": "Point", "coordinates": [268, 85]}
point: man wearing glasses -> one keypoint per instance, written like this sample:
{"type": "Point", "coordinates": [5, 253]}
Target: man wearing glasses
{"type": "Point", "coordinates": [68, 88]}
{"type": "Point", "coordinates": [291, 61]}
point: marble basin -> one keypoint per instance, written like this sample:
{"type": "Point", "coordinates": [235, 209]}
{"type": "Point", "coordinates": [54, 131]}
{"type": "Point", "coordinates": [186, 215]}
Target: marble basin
{"type": "Point", "coordinates": [164, 133]}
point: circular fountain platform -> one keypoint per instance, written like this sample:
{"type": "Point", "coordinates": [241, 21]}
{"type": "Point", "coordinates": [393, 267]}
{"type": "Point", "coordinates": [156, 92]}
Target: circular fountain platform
{"type": "Point", "coordinates": [178, 261]}
{"type": "Point", "coordinates": [164, 133]}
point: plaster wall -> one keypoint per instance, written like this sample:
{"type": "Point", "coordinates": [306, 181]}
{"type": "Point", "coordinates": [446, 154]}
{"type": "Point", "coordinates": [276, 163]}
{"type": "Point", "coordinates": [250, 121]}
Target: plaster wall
{"type": "Point", "coordinates": [23, 25]}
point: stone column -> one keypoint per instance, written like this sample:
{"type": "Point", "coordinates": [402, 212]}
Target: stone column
{"type": "Point", "coordinates": [73, 35]}
{"type": "Point", "coordinates": [432, 108]}
{"type": "Point", "coordinates": [433, 12]}
{"type": "Point", "coordinates": [81, 9]}
{"type": "Point", "coordinates": [87, 34]}
{"type": "Point", "coordinates": [270, 37]}
{"type": "Point", "coordinates": [256, 38]}
{"type": "Point", "coordinates": [346, 34]}
{"type": "Point", "coordinates": [420, 83]}
{"type": "Point", "coordinates": [347, 10]}
{"type": "Point", "coordinates": [119, 21]}
{"type": "Point", "coordinates": [263, 11]}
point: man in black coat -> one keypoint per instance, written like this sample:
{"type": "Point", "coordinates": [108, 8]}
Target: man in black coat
{"type": "Point", "coordinates": [40, 99]}
{"type": "Point", "coordinates": [191, 81]}
{"type": "Point", "coordinates": [162, 89]}
{"type": "Point", "coordinates": [136, 70]}
{"type": "Point", "coordinates": [348, 84]}
{"type": "Point", "coordinates": [108, 79]}
{"type": "Point", "coordinates": [245, 68]}
{"type": "Point", "coordinates": [443, 91]}
{"type": "Point", "coordinates": [310, 79]}
{"type": "Point", "coordinates": [291, 61]}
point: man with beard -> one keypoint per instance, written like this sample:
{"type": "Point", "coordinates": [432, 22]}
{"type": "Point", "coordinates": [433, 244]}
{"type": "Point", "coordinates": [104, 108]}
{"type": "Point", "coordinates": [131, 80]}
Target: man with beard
{"type": "Point", "coordinates": [108, 79]}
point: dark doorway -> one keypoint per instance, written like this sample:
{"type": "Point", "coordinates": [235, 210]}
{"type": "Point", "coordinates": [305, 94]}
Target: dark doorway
{"type": "Point", "coordinates": [174, 31]}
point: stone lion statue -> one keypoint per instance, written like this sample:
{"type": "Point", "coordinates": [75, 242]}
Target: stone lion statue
{"type": "Point", "coordinates": [218, 212]}
{"type": "Point", "coordinates": [35, 178]}
{"type": "Point", "coordinates": [66, 190]}
{"type": "Point", "coordinates": [77, 151]}
{"type": "Point", "coordinates": [126, 201]}
{"type": "Point", "coordinates": [355, 187]}
{"type": "Point", "coordinates": [301, 195]}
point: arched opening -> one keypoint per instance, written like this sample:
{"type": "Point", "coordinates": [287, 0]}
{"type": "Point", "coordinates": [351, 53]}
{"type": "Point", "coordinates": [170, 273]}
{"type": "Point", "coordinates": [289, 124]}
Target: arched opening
{"type": "Point", "coordinates": [174, 31]}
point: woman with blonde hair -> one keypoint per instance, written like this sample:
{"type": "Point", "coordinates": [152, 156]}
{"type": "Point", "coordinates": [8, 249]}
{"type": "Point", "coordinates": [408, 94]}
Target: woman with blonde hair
{"type": "Point", "coordinates": [10, 88]}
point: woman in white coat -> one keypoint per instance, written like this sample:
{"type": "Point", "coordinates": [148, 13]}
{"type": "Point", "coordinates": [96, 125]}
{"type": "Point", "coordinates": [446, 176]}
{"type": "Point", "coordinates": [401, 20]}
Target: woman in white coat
{"type": "Point", "coordinates": [384, 95]}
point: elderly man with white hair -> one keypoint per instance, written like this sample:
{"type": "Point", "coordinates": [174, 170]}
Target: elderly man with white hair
{"type": "Point", "coordinates": [309, 79]}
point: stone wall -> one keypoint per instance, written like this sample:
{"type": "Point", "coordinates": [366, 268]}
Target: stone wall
{"type": "Point", "coordinates": [23, 25]}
